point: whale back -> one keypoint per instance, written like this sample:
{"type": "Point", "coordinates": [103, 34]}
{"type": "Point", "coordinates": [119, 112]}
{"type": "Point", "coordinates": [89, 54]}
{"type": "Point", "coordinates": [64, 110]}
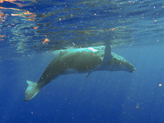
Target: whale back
{"type": "Point", "coordinates": [71, 61]}
{"type": "Point", "coordinates": [81, 60]}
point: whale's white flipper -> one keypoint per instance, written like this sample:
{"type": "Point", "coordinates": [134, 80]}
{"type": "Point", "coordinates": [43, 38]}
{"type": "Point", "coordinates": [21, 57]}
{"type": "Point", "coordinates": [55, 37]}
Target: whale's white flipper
{"type": "Point", "coordinates": [107, 57]}
{"type": "Point", "coordinates": [31, 90]}
{"type": "Point", "coordinates": [107, 54]}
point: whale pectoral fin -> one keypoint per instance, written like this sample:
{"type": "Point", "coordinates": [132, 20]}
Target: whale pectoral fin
{"type": "Point", "coordinates": [88, 74]}
{"type": "Point", "coordinates": [107, 54]}
{"type": "Point", "coordinates": [31, 90]}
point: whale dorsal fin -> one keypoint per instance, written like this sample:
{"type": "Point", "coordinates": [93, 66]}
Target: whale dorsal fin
{"type": "Point", "coordinates": [107, 54]}
{"type": "Point", "coordinates": [107, 57]}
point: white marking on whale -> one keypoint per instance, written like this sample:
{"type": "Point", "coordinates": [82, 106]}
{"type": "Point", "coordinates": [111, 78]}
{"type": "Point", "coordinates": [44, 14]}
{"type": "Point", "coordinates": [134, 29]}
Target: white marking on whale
{"type": "Point", "coordinates": [81, 60]}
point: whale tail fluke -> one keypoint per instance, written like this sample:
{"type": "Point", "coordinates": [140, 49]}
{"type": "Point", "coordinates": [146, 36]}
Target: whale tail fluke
{"type": "Point", "coordinates": [31, 90]}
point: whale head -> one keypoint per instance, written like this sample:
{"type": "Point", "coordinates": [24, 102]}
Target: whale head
{"type": "Point", "coordinates": [118, 63]}
{"type": "Point", "coordinates": [126, 66]}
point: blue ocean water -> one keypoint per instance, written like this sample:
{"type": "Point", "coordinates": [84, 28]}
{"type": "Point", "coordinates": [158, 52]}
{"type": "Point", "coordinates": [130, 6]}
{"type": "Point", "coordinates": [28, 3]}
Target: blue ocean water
{"type": "Point", "coordinates": [133, 28]}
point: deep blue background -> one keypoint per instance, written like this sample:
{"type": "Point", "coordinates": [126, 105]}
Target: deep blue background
{"type": "Point", "coordinates": [104, 97]}
{"type": "Point", "coordinates": [110, 97]}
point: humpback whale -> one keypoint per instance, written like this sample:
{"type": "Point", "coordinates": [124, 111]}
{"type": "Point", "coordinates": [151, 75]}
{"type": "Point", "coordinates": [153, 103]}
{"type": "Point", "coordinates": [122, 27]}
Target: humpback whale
{"type": "Point", "coordinates": [81, 60]}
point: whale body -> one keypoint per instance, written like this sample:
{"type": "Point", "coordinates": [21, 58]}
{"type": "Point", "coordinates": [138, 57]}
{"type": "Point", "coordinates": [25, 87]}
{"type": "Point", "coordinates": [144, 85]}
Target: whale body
{"type": "Point", "coordinates": [81, 60]}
